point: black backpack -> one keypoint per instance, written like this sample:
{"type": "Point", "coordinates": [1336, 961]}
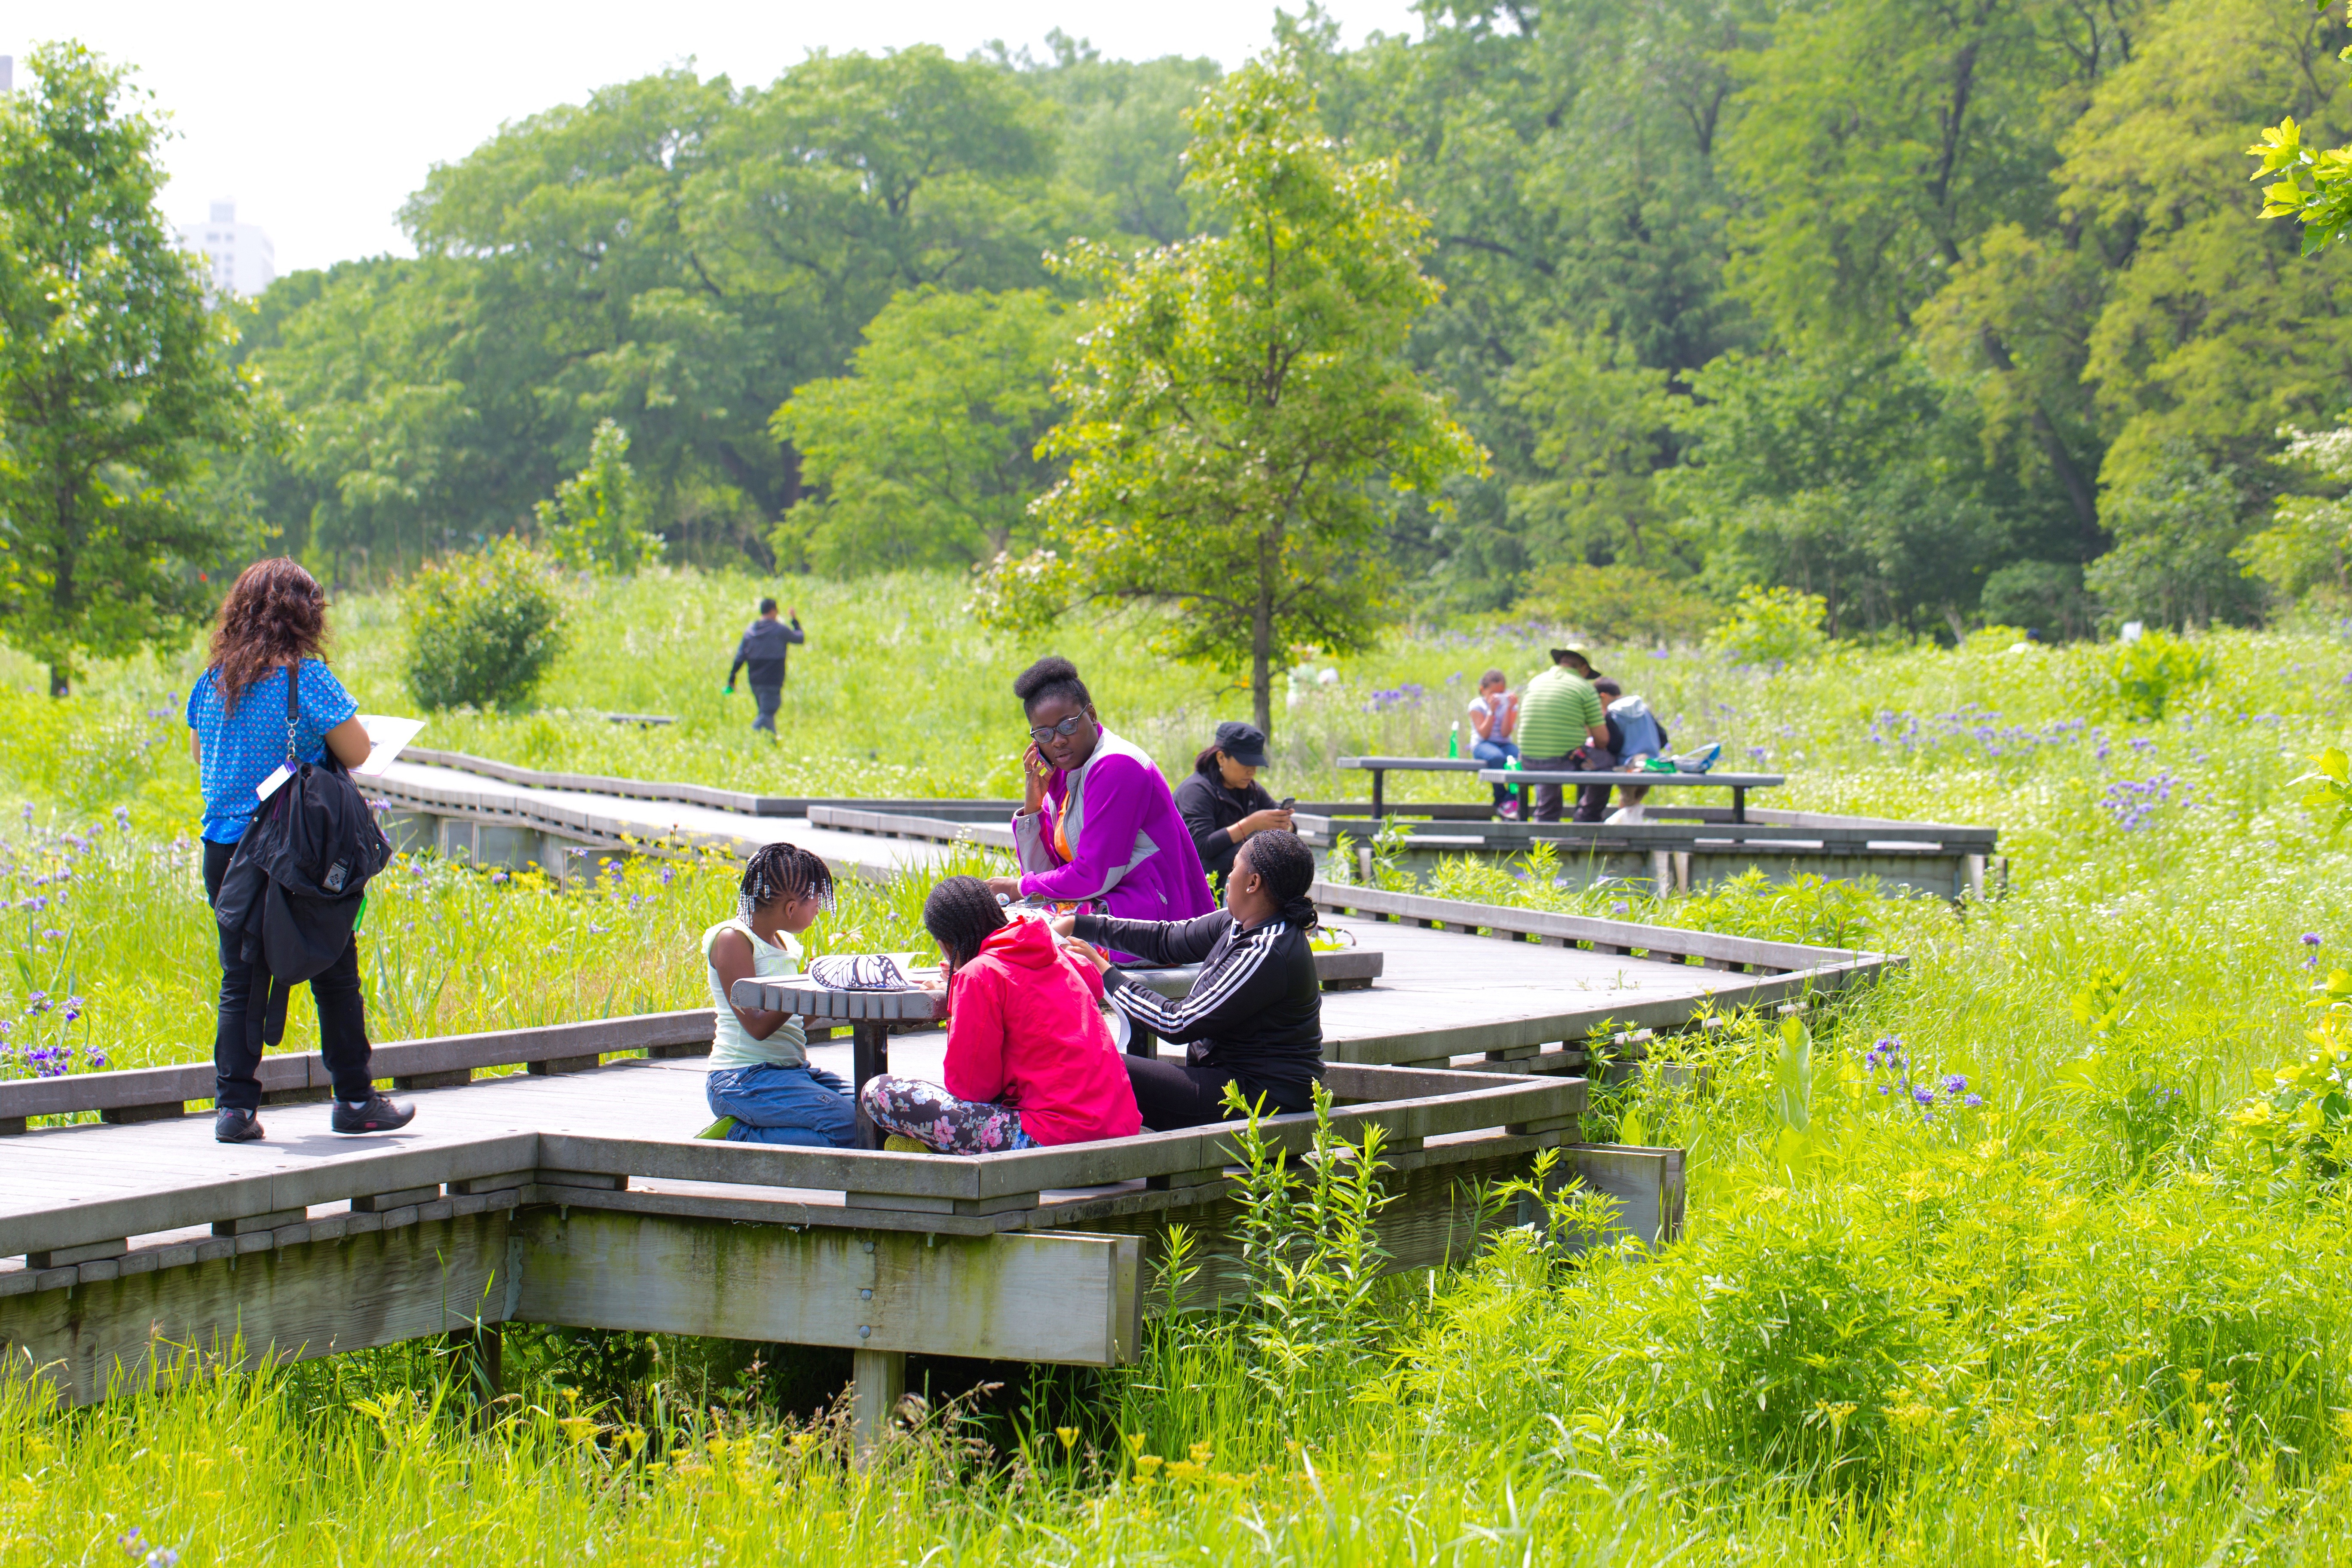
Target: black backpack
{"type": "Point", "coordinates": [292, 891]}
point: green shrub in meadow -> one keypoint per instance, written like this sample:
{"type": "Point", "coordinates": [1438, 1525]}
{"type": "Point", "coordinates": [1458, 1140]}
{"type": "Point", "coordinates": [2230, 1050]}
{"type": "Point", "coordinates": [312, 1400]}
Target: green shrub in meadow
{"type": "Point", "coordinates": [482, 629]}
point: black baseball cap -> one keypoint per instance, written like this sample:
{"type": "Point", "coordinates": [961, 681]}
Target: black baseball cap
{"type": "Point", "coordinates": [1246, 743]}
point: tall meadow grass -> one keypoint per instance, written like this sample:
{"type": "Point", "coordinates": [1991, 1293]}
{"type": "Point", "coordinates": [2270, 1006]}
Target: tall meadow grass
{"type": "Point", "coordinates": [1986, 1264]}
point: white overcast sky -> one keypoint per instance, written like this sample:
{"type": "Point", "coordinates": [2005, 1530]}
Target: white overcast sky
{"type": "Point", "coordinates": [319, 120]}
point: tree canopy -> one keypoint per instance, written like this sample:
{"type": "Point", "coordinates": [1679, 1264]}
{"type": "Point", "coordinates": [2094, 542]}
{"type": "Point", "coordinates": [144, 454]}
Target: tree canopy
{"type": "Point", "coordinates": [115, 381]}
{"type": "Point", "coordinates": [1891, 301]}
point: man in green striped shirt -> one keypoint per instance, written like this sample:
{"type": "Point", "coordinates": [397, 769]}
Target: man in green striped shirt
{"type": "Point", "coordinates": [1560, 712]}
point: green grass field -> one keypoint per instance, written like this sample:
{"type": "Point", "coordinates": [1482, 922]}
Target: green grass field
{"type": "Point", "coordinates": [2096, 1316]}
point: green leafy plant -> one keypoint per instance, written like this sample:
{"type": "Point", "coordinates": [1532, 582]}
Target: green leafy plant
{"type": "Point", "coordinates": [482, 629]}
{"type": "Point", "coordinates": [2329, 788]}
{"type": "Point", "coordinates": [2139, 679]}
{"type": "Point", "coordinates": [1771, 626]}
{"type": "Point", "coordinates": [597, 522]}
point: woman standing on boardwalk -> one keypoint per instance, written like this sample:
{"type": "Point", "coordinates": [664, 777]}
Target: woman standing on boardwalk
{"type": "Point", "coordinates": [242, 727]}
{"type": "Point", "coordinates": [1098, 824]}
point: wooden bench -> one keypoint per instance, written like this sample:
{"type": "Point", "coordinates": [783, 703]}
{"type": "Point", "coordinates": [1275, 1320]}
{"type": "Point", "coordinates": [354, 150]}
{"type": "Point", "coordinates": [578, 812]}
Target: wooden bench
{"type": "Point", "coordinates": [1525, 780]}
{"type": "Point", "coordinates": [1379, 766]}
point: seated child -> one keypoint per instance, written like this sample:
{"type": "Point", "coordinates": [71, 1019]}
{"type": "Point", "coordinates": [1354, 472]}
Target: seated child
{"type": "Point", "coordinates": [762, 1087]}
{"type": "Point", "coordinates": [1030, 1060]}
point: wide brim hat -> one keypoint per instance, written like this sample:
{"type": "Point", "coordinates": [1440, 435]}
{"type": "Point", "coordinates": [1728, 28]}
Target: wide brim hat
{"type": "Point", "coordinates": [1246, 743]}
{"type": "Point", "coordinates": [1575, 653]}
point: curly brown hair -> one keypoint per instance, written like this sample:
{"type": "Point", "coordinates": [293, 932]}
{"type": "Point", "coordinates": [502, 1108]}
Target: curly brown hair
{"type": "Point", "coordinates": [277, 614]}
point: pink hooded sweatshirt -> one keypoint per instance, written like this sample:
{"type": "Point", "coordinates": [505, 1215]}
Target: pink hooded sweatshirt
{"type": "Point", "coordinates": [1025, 1029]}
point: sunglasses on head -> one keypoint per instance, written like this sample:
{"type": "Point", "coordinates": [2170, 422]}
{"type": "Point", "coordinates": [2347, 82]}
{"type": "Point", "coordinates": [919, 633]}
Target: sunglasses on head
{"type": "Point", "coordinates": [1066, 729]}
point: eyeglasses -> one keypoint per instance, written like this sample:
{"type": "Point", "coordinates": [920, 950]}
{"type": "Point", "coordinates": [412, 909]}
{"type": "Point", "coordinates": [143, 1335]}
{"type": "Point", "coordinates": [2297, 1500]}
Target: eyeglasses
{"type": "Point", "coordinates": [1066, 729]}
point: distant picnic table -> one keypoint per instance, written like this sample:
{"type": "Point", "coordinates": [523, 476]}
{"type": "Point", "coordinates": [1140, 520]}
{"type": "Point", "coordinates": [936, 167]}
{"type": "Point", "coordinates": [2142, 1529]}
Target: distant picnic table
{"type": "Point", "coordinates": [1525, 780]}
{"type": "Point", "coordinates": [1378, 766]}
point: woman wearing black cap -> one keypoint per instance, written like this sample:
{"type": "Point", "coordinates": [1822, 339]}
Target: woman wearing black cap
{"type": "Point", "coordinates": [1222, 803]}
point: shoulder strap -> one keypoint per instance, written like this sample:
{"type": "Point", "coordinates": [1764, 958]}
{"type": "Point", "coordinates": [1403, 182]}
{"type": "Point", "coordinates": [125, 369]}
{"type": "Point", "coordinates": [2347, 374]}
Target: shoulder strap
{"type": "Point", "coordinates": [293, 696]}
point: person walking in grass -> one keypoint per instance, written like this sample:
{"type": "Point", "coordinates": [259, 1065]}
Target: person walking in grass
{"type": "Point", "coordinates": [762, 1087]}
{"type": "Point", "coordinates": [242, 728]}
{"type": "Point", "coordinates": [1561, 714]}
{"type": "Point", "coordinates": [766, 645]}
{"type": "Point", "coordinates": [1030, 1061]}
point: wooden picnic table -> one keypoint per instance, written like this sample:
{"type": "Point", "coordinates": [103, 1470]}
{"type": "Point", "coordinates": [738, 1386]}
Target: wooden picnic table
{"type": "Point", "coordinates": [1525, 779]}
{"type": "Point", "coordinates": [1377, 766]}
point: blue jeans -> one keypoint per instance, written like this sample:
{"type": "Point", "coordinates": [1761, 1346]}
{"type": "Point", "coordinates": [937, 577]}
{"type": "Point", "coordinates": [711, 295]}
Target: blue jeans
{"type": "Point", "coordinates": [807, 1108]}
{"type": "Point", "coordinates": [770, 698]}
{"type": "Point", "coordinates": [1495, 754]}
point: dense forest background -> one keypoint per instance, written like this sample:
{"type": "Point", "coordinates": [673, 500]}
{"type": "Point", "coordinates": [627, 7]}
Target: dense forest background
{"type": "Point", "coordinates": [1948, 311]}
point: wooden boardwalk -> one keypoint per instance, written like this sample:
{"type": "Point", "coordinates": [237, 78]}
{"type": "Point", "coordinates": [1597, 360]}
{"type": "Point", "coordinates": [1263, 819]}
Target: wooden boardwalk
{"type": "Point", "coordinates": [575, 1192]}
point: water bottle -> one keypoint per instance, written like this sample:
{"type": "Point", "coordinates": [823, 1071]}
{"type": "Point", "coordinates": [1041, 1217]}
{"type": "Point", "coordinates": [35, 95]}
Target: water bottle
{"type": "Point", "coordinates": [1454, 743]}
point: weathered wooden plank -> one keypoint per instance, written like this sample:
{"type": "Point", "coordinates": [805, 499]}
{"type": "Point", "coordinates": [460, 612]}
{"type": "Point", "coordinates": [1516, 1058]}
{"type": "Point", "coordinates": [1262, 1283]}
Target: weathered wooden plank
{"type": "Point", "coordinates": [1041, 1298]}
{"type": "Point", "coordinates": [176, 1207]}
{"type": "Point", "coordinates": [284, 1304]}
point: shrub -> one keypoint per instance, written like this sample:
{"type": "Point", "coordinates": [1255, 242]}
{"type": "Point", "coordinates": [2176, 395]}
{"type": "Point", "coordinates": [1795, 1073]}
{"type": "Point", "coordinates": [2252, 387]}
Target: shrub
{"type": "Point", "coordinates": [2141, 677]}
{"type": "Point", "coordinates": [1772, 626]}
{"type": "Point", "coordinates": [597, 522]}
{"type": "Point", "coordinates": [482, 629]}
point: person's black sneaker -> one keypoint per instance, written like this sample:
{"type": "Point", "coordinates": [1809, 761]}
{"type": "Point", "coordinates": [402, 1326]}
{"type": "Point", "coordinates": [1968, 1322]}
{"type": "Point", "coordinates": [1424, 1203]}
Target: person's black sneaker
{"type": "Point", "coordinates": [235, 1126]}
{"type": "Point", "coordinates": [378, 1115]}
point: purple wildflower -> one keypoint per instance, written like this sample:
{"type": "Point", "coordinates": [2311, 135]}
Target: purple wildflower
{"type": "Point", "coordinates": [1923, 1095]}
{"type": "Point", "coordinates": [500, 878]}
{"type": "Point", "coordinates": [2309, 938]}
{"type": "Point", "coordinates": [1955, 1084]}
{"type": "Point", "coordinates": [1974, 1101]}
{"type": "Point", "coordinates": [52, 934]}
{"type": "Point", "coordinates": [38, 1002]}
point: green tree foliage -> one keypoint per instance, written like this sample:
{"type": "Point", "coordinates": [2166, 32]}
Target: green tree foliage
{"type": "Point", "coordinates": [2307, 549]}
{"type": "Point", "coordinates": [925, 454]}
{"type": "Point", "coordinates": [115, 380]}
{"type": "Point", "coordinates": [483, 628]}
{"type": "Point", "coordinates": [2179, 530]}
{"type": "Point", "coordinates": [597, 522]}
{"type": "Point", "coordinates": [1238, 399]}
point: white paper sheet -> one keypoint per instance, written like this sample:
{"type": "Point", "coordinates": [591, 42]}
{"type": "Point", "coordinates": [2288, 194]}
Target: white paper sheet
{"type": "Point", "coordinates": [386, 736]}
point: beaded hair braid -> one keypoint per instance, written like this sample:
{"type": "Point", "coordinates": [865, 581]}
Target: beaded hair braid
{"type": "Point", "coordinates": [782, 870]}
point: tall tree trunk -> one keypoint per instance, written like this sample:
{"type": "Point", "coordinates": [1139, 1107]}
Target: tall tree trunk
{"type": "Point", "coordinates": [1262, 640]}
{"type": "Point", "coordinates": [60, 680]}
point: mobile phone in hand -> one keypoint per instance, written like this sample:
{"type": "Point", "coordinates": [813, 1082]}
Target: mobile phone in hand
{"type": "Point", "coordinates": [1287, 801]}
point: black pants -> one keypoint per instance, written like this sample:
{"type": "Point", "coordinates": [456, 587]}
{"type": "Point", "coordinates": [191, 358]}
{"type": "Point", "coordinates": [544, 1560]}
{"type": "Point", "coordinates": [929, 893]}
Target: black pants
{"type": "Point", "coordinates": [1172, 1094]}
{"type": "Point", "coordinates": [342, 1014]}
{"type": "Point", "coordinates": [1593, 800]}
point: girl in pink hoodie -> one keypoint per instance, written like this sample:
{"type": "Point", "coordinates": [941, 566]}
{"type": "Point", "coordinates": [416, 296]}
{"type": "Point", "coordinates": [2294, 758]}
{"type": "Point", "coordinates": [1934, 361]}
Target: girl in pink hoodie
{"type": "Point", "coordinates": [1030, 1060]}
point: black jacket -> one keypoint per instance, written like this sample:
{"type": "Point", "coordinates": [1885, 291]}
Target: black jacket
{"type": "Point", "coordinates": [1208, 808]}
{"type": "Point", "coordinates": [1256, 1011]}
{"type": "Point", "coordinates": [292, 893]}
{"type": "Point", "coordinates": [765, 647]}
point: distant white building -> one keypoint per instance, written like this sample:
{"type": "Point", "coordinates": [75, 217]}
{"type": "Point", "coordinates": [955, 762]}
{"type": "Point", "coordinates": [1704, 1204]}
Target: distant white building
{"type": "Point", "coordinates": [241, 258]}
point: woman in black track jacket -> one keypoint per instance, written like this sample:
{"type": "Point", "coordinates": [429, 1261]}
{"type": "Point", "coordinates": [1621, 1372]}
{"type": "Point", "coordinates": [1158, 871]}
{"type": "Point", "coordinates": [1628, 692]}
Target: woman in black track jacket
{"type": "Point", "coordinates": [1254, 1015]}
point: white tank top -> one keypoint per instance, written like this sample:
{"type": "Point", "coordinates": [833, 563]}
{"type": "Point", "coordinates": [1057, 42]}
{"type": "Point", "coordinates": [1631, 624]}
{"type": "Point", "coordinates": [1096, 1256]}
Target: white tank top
{"type": "Point", "coordinates": [730, 1045]}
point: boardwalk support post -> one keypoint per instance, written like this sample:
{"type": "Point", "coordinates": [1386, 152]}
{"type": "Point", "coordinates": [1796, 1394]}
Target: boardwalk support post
{"type": "Point", "coordinates": [878, 1383]}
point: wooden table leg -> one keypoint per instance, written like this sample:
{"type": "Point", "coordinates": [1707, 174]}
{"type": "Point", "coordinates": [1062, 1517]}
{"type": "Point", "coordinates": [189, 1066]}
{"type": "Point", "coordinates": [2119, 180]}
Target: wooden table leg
{"type": "Point", "coordinates": [1526, 806]}
{"type": "Point", "coordinates": [1377, 775]}
{"type": "Point", "coordinates": [1739, 805]}
{"type": "Point", "coordinates": [870, 1055]}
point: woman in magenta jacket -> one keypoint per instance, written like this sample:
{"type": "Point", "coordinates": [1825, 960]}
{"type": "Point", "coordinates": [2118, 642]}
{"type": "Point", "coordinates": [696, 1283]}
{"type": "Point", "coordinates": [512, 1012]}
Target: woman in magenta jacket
{"type": "Point", "coordinates": [1030, 1060]}
{"type": "Point", "coordinates": [1098, 824]}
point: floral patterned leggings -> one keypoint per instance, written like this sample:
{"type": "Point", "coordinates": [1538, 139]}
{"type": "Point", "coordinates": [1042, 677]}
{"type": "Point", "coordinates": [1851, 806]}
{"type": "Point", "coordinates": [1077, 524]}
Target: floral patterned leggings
{"type": "Point", "coordinates": [938, 1120]}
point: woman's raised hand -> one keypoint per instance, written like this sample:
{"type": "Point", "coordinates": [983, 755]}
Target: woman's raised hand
{"type": "Point", "coordinates": [1036, 772]}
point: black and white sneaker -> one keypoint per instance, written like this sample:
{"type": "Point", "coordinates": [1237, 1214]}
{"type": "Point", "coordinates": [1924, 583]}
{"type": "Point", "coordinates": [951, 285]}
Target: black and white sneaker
{"type": "Point", "coordinates": [234, 1126]}
{"type": "Point", "coordinates": [378, 1115]}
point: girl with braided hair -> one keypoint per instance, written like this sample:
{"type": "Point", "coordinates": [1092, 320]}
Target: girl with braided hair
{"type": "Point", "coordinates": [762, 1087]}
{"type": "Point", "coordinates": [1254, 1014]}
{"type": "Point", "coordinates": [1030, 1062]}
